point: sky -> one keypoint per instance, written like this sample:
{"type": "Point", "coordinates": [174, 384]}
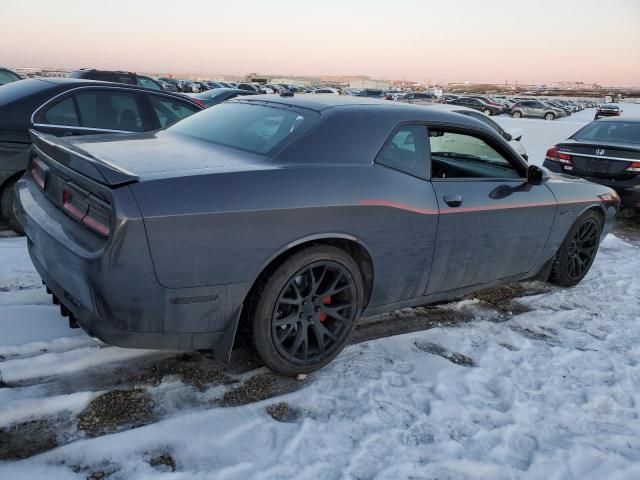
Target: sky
{"type": "Point", "coordinates": [529, 41]}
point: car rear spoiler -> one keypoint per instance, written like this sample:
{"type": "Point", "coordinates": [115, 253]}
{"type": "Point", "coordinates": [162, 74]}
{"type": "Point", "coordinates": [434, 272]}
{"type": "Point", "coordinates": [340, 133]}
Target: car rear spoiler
{"type": "Point", "coordinates": [75, 158]}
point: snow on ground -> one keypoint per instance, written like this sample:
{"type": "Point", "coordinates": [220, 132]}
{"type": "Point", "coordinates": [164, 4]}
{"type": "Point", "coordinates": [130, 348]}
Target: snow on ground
{"type": "Point", "coordinates": [551, 393]}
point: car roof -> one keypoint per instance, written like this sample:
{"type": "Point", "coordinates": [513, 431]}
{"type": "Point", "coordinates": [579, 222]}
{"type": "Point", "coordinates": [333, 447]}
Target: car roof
{"type": "Point", "coordinates": [632, 119]}
{"type": "Point", "coordinates": [384, 109]}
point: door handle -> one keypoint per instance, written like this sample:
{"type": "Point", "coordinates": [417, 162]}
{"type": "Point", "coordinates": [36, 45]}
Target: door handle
{"type": "Point", "coordinates": [453, 200]}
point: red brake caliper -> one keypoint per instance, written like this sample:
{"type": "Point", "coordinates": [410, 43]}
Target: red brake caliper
{"type": "Point", "coordinates": [327, 301]}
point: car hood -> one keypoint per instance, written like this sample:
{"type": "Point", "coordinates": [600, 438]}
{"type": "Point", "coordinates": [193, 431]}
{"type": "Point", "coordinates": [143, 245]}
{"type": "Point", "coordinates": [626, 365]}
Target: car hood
{"type": "Point", "coordinates": [163, 154]}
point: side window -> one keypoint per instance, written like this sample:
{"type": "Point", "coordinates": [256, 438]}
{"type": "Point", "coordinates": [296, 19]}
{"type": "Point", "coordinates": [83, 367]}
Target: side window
{"type": "Point", "coordinates": [147, 82]}
{"type": "Point", "coordinates": [110, 110]}
{"type": "Point", "coordinates": [169, 111]}
{"type": "Point", "coordinates": [407, 151]}
{"type": "Point", "coordinates": [60, 113]}
{"type": "Point", "coordinates": [459, 155]}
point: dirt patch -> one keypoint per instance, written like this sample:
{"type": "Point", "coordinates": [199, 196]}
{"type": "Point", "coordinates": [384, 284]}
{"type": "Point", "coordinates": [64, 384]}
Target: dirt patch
{"type": "Point", "coordinates": [195, 368]}
{"type": "Point", "coordinates": [627, 224]}
{"type": "Point", "coordinates": [257, 388]}
{"type": "Point", "coordinates": [163, 462]}
{"type": "Point", "coordinates": [26, 439]}
{"type": "Point", "coordinates": [115, 409]}
{"type": "Point", "coordinates": [283, 412]}
{"type": "Point", "coordinates": [407, 321]}
{"type": "Point", "coordinates": [453, 357]}
{"type": "Point", "coordinates": [533, 335]}
{"type": "Point", "coordinates": [501, 298]}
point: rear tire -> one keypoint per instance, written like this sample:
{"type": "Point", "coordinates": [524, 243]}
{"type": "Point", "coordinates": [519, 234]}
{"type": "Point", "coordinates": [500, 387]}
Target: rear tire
{"type": "Point", "coordinates": [7, 207]}
{"type": "Point", "coordinates": [517, 114]}
{"type": "Point", "coordinates": [299, 319]}
{"type": "Point", "coordinates": [577, 252]}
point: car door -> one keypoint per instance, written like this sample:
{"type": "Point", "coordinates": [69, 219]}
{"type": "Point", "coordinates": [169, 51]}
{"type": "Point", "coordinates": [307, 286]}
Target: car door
{"type": "Point", "coordinates": [493, 224]}
{"type": "Point", "coordinates": [90, 111]}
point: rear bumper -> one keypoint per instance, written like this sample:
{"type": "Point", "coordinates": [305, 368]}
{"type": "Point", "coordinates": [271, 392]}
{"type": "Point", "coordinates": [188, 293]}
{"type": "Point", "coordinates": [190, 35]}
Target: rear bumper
{"type": "Point", "coordinates": [628, 190]}
{"type": "Point", "coordinates": [112, 291]}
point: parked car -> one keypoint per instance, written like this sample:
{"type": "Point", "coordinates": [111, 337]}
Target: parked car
{"type": "Point", "coordinates": [166, 86]}
{"type": "Point", "coordinates": [418, 97]}
{"type": "Point", "coordinates": [64, 107]}
{"type": "Point", "coordinates": [567, 111]}
{"type": "Point", "coordinates": [513, 137]}
{"type": "Point", "coordinates": [333, 91]}
{"type": "Point", "coordinates": [219, 95]}
{"type": "Point", "coordinates": [491, 101]}
{"type": "Point", "coordinates": [129, 78]}
{"type": "Point", "coordinates": [244, 217]}
{"type": "Point", "coordinates": [605, 151]}
{"type": "Point", "coordinates": [477, 104]}
{"type": "Point", "coordinates": [8, 76]}
{"type": "Point", "coordinates": [607, 110]}
{"type": "Point", "coordinates": [535, 109]}
{"type": "Point", "coordinates": [371, 93]}
{"type": "Point", "coordinates": [248, 86]}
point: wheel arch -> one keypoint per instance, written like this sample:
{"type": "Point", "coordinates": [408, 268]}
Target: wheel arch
{"type": "Point", "coordinates": [11, 178]}
{"type": "Point", "coordinates": [353, 246]}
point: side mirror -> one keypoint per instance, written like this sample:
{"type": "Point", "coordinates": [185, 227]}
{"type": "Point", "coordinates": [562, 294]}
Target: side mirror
{"type": "Point", "coordinates": [507, 136]}
{"type": "Point", "coordinates": [537, 175]}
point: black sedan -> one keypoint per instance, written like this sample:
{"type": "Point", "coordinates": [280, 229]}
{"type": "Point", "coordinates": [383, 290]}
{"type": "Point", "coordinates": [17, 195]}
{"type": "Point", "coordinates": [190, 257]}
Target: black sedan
{"type": "Point", "coordinates": [219, 95]}
{"type": "Point", "coordinates": [286, 219]}
{"type": "Point", "coordinates": [607, 110]}
{"type": "Point", "coordinates": [605, 151]}
{"type": "Point", "coordinates": [70, 107]}
{"type": "Point", "coordinates": [477, 104]}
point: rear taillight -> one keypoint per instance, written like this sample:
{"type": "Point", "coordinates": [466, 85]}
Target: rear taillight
{"type": "Point", "coordinates": [38, 172]}
{"type": "Point", "coordinates": [200, 102]}
{"type": "Point", "coordinates": [633, 167]}
{"type": "Point", "coordinates": [87, 209]}
{"type": "Point", "coordinates": [555, 155]}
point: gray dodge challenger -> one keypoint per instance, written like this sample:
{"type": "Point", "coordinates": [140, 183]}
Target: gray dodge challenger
{"type": "Point", "coordinates": [287, 219]}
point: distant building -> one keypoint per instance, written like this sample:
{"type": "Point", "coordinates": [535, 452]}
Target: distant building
{"type": "Point", "coordinates": [366, 82]}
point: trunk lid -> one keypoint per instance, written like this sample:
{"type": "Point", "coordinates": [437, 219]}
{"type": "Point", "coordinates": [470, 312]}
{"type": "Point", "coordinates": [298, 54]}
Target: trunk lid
{"type": "Point", "coordinates": [601, 159]}
{"type": "Point", "coordinates": [125, 158]}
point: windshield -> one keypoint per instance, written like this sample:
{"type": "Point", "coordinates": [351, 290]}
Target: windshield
{"type": "Point", "coordinates": [617, 132]}
{"type": "Point", "coordinates": [251, 127]}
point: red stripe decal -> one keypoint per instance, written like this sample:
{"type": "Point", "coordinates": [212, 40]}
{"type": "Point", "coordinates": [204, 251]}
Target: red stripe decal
{"type": "Point", "coordinates": [425, 211]}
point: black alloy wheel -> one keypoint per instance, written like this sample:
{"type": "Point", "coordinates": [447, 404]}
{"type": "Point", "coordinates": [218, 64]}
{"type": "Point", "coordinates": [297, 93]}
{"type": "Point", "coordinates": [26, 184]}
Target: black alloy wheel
{"type": "Point", "coordinates": [301, 316]}
{"type": "Point", "coordinates": [582, 249]}
{"type": "Point", "coordinates": [578, 251]}
{"type": "Point", "coordinates": [316, 307]}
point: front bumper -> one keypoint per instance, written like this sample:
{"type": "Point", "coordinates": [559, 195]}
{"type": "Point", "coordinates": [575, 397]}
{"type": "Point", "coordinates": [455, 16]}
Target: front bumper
{"type": "Point", "coordinates": [110, 289]}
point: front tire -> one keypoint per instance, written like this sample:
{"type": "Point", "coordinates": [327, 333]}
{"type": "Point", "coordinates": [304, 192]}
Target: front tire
{"type": "Point", "coordinates": [577, 252]}
{"type": "Point", "coordinates": [302, 315]}
{"type": "Point", "coordinates": [549, 116]}
{"type": "Point", "coordinates": [517, 114]}
{"type": "Point", "coordinates": [487, 112]}
{"type": "Point", "coordinates": [7, 207]}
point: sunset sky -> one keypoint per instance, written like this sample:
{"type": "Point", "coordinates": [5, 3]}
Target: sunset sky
{"type": "Point", "coordinates": [448, 40]}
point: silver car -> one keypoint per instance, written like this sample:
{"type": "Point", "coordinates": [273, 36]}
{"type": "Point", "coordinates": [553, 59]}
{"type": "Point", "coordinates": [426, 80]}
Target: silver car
{"type": "Point", "coordinates": [536, 109]}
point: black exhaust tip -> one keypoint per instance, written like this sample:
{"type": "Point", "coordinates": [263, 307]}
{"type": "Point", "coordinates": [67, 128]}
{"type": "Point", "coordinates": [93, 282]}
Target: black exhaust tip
{"type": "Point", "coordinates": [72, 322]}
{"type": "Point", "coordinates": [64, 311]}
{"type": "Point", "coordinates": [55, 300]}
